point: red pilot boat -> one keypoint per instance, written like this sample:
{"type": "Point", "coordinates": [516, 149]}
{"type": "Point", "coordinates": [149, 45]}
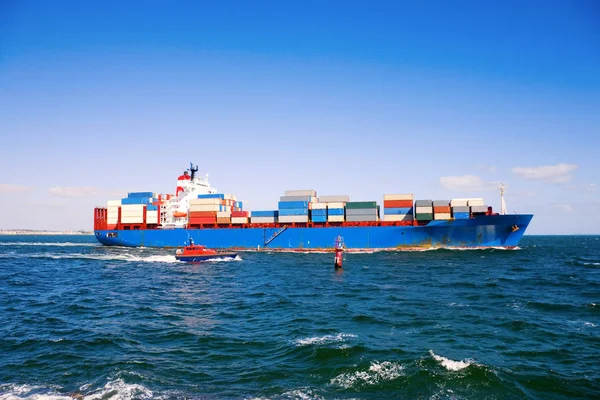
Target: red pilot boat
{"type": "Point", "coordinates": [196, 253]}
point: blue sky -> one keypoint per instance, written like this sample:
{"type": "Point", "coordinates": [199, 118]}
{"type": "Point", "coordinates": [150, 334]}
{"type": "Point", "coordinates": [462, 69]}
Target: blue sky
{"type": "Point", "coordinates": [441, 99]}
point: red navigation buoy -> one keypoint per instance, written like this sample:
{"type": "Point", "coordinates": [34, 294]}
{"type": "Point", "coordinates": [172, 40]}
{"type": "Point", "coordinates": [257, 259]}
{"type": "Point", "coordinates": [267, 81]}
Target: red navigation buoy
{"type": "Point", "coordinates": [339, 251]}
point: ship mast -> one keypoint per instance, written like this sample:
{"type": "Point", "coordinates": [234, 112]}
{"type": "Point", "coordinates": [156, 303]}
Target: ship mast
{"type": "Point", "coordinates": [502, 188]}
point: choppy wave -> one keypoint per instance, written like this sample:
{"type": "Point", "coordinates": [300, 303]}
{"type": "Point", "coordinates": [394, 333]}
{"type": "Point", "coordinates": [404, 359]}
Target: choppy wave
{"type": "Point", "coordinates": [376, 373]}
{"type": "Point", "coordinates": [113, 390]}
{"type": "Point", "coordinates": [321, 340]}
{"type": "Point", "coordinates": [449, 364]}
{"type": "Point", "coordinates": [101, 257]}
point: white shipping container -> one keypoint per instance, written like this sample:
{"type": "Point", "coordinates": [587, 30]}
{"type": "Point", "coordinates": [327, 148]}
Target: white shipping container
{"type": "Point", "coordinates": [293, 218]}
{"type": "Point", "coordinates": [336, 205]}
{"type": "Point", "coordinates": [112, 203]}
{"type": "Point", "coordinates": [398, 217]}
{"type": "Point", "coordinates": [152, 217]}
{"type": "Point", "coordinates": [319, 206]}
{"type": "Point", "coordinates": [132, 220]}
{"type": "Point", "coordinates": [263, 220]}
{"type": "Point", "coordinates": [132, 207]}
{"type": "Point", "coordinates": [408, 196]}
{"type": "Point", "coordinates": [334, 199]}
{"type": "Point", "coordinates": [459, 202]}
{"type": "Point", "coordinates": [239, 220]}
{"type": "Point", "coordinates": [205, 207]}
{"type": "Point", "coordinates": [112, 221]}
{"type": "Point", "coordinates": [205, 201]}
{"type": "Point", "coordinates": [423, 210]}
{"type": "Point", "coordinates": [475, 202]}
{"type": "Point", "coordinates": [335, 218]}
{"type": "Point", "coordinates": [223, 214]}
{"type": "Point", "coordinates": [442, 216]}
{"type": "Point", "coordinates": [312, 193]}
{"type": "Point", "coordinates": [132, 212]}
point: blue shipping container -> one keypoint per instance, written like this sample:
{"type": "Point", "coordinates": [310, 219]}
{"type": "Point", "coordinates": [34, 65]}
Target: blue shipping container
{"type": "Point", "coordinates": [397, 211]}
{"type": "Point", "coordinates": [211, 196]}
{"type": "Point", "coordinates": [286, 212]}
{"type": "Point", "coordinates": [136, 200]}
{"type": "Point", "coordinates": [319, 212]}
{"type": "Point", "coordinates": [264, 213]}
{"type": "Point", "coordinates": [461, 215]}
{"type": "Point", "coordinates": [319, 218]}
{"type": "Point", "coordinates": [292, 204]}
{"type": "Point", "coordinates": [139, 194]}
{"type": "Point", "coordinates": [335, 211]}
{"type": "Point", "coordinates": [151, 207]}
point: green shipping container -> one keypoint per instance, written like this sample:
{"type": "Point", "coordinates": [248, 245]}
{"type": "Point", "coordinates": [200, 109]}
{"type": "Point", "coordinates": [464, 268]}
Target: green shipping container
{"type": "Point", "coordinates": [361, 204]}
{"type": "Point", "coordinates": [424, 217]}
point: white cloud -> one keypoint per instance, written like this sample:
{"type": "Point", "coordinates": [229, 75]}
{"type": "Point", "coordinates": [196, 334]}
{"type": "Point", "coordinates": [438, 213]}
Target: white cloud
{"type": "Point", "coordinates": [74, 191]}
{"type": "Point", "coordinates": [6, 188]}
{"type": "Point", "coordinates": [563, 207]}
{"type": "Point", "coordinates": [592, 187]}
{"type": "Point", "coordinates": [464, 183]}
{"type": "Point", "coordinates": [559, 173]}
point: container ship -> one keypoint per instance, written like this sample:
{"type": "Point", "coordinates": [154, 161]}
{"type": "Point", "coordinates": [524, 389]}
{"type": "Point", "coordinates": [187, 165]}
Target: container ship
{"type": "Point", "coordinates": [302, 221]}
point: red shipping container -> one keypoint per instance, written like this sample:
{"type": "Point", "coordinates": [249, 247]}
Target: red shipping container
{"type": "Point", "coordinates": [397, 203]}
{"type": "Point", "coordinates": [239, 213]}
{"type": "Point", "coordinates": [203, 214]}
{"type": "Point", "coordinates": [441, 210]}
{"type": "Point", "coordinates": [204, 220]}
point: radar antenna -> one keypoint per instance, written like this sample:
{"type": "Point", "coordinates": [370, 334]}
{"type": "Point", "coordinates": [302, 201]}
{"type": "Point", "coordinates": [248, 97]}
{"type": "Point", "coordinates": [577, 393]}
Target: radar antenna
{"type": "Point", "coordinates": [193, 170]}
{"type": "Point", "coordinates": [502, 189]}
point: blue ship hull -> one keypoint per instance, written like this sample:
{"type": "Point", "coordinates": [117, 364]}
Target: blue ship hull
{"type": "Point", "coordinates": [482, 231]}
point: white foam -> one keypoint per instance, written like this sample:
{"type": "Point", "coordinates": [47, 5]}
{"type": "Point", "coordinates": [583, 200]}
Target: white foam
{"type": "Point", "coordinates": [109, 257]}
{"type": "Point", "coordinates": [450, 365]}
{"type": "Point", "coordinates": [225, 259]}
{"type": "Point", "coordinates": [119, 390]}
{"type": "Point", "coordinates": [377, 372]}
{"type": "Point", "coordinates": [113, 390]}
{"type": "Point", "coordinates": [59, 244]}
{"type": "Point", "coordinates": [319, 340]}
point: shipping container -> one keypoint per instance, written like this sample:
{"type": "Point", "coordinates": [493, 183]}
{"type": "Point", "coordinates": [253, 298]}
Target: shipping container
{"type": "Point", "coordinates": [113, 203]}
{"type": "Point", "coordinates": [319, 206]}
{"type": "Point", "coordinates": [459, 202]}
{"type": "Point", "coordinates": [205, 207]}
{"type": "Point", "coordinates": [203, 220]}
{"type": "Point", "coordinates": [397, 211]}
{"type": "Point", "coordinates": [312, 193]}
{"type": "Point", "coordinates": [461, 209]}
{"type": "Point", "coordinates": [212, 196]}
{"type": "Point", "coordinates": [424, 217]}
{"type": "Point", "coordinates": [441, 203]}
{"type": "Point", "coordinates": [296, 198]}
{"type": "Point", "coordinates": [475, 202]}
{"type": "Point", "coordinates": [136, 200]}
{"type": "Point", "coordinates": [361, 218]}
{"type": "Point", "coordinates": [423, 203]}
{"type": "Point", "coordinates": [335, 211]}
{"type": "Point", "coordinates": [202, 214]}
{"type": "Point", "coordinates": [334, 199]}
{"type": "Point", "coordinates": [336, 205]}
{"type": "Point", "coordinates": [479, 209]}
{"type": "Point", "coordinates": [224, 220]}
{"type": "Point", "coordinates": [292, 204]}
{"type": "Point", "coordinates": [361, 211]}
{"type": "Point", "coordinates": [224, 214]}
{"type": "Point", "coordinates": [239, 220]}
{"type": "Point", "coordinates": [151, 207]}
{"type": "Point", "coordinates": [424, 210]}
{"type": "Point", "coordinates": [293, 211]}
{"type": "Point", "coordinates": [397, 203]}
{"type": "Point", "coordinates": [263, 220]}
{"type": "Point", "coordinates": [441, 209]}
{"type": "Point", "coordinates": [319, 218]}
{"type": "Point", "coordinates": [335, 218]}
{"type": "Point", "coordinates": [203, 202]}
{"type": "Point", "coordinates": [293, 218]}
{"type": "Point", "coordinates": [442, 216]}
{"type": "Point", "coordinates": [408, 196]}
{"type": "Point", "coordinates": [398, 217]}
{"type": "Point", "coordinates": [152, 217]}
{"type": "Point", "coordinates": [141, 194]}
{"type": "Point", "coordinates": [240, 214]}
{"type": "Point", "coordinates": [269, 213]}
{"type": "Point", "coordinates": [361, 204]}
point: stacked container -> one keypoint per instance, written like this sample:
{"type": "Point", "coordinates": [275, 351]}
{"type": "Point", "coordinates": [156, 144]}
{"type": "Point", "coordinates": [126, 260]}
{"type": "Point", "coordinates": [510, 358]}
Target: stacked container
{"type": "Point", "coordinates": [335, 211]}
{"type": "Point", "coordinates": [460, 208]}
{"type": "Point", "coordinates": [132, 213]}
{"type": "Point", "coordinates": [112, 211]}
{"type": "Point", "coordinates": [362, 211]}
{"type": "Point", "coordinates": [264, 217]}
{"type": "Point", "coordinates": [441, 210]}
{"type": "Point", "coordinates": [294, 205]}
{"type": "Point", "coordinates": [213, 208]}
{"type": "Point", "coordinates": [477, 206]}
{"type": "Point", "coordinates": [398, 207]}
{"type": "Point", "coordinates": [424, 210]}
{"type": "Point", "coordinates": [334, 199]}
{"type": "Point", "coordinates": [240, 217]}
{"type": "Point", "coordinates": [318, 212]}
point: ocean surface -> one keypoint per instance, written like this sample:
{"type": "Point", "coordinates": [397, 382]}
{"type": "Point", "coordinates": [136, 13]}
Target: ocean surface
{"type": "Point", "coordinates": [78, 320]}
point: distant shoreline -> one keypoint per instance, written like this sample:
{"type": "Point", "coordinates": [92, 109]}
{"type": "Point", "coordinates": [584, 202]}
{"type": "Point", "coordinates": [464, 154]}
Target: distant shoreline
{"type": "Point", "coordinates": [14, 232]}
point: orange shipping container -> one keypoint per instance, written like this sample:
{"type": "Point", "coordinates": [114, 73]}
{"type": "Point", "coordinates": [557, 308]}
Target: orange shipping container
{"type": "Point", "coordinates": [397, 203]}
{"type": "Point", "coordinates": [203, 214]}
{"type": "Point", "coordinates": [441, 210]}
{"type": "Point", "coordinates": [224, 220]}
{"type": "Point", "coordinates": [204, 220]}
